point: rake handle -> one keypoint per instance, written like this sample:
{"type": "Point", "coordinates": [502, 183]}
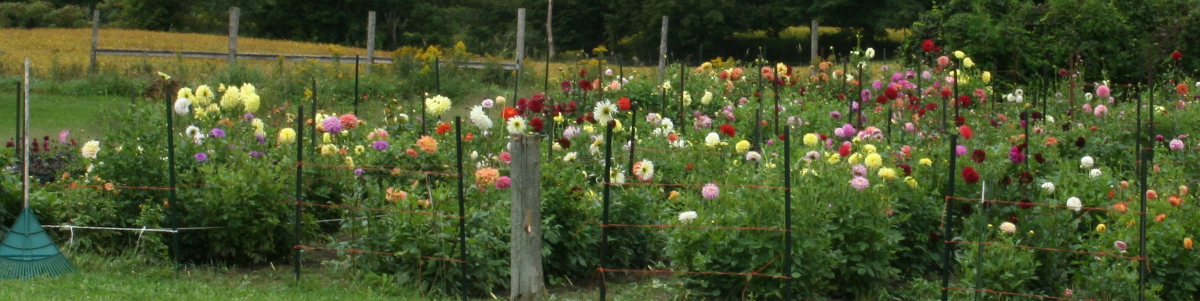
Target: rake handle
{"type": "Point", "coordinates": [25, 172]}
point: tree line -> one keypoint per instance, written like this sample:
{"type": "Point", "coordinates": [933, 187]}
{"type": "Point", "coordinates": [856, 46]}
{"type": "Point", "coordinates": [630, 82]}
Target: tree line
{"type": "Point", "coordinates": [488, 26]}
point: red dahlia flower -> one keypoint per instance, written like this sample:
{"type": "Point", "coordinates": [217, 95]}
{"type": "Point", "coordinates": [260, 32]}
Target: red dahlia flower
{"type": "Point", "coordinates": [509, 112]}
{"type": "Point", "coordinates": [970, 175]}
{"type": "Point", "coordinates": [624, 104]}
{"type": "Point", "coordinates": [978, 156]}
{"type": "Point", "coordinates": [966, 132]}
{"type": "Point", "coordinates": [930, 46]}
{"type": "Point", "coordinates": [728, 130]}
{"type": "Point", "coordinates": [537, 124]}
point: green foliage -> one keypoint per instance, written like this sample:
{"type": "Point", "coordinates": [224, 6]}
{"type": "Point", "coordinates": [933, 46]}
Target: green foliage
{"type": "Point", "coordinates": [1004, 269]}
{"type": "Point", "coordinates": [40, 13]}
{"type": "Point", "coordinates": [1039, 38]}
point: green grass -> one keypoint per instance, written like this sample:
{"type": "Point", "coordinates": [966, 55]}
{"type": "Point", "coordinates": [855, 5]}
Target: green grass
{"type": "Point", "coordinates": [134, 278]}
{"type": "Point", "coordinates": [129, 278]}
{"type": "Point", "coordinates": [50, 114]}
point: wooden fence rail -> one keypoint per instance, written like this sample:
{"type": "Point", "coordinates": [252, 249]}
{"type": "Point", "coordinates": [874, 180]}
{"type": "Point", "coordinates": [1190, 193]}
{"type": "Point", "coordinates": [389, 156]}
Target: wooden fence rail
{"type": "Point", "coordinates": [276, 56]}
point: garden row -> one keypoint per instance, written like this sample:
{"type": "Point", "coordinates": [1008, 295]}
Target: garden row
{"type": "Point", "coordinates": [696, 171]}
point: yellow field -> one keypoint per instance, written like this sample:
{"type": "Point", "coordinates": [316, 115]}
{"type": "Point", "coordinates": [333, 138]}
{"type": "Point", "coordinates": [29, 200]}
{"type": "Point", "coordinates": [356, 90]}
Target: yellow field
{"type": "Point", "coordinates": [70, 47]}
{"type": "Point", "coordinates": [803, 32]}
{"type": "Point", "coordinates": [63, 53]}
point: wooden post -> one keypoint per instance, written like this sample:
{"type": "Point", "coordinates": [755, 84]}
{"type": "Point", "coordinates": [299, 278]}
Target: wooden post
{"type": "Point", "coordinates": [526, 216]}
{"type": "Point", "coordinates": [233, 33]}
{"type": "Point", "coordinates": [549, 32]}
{"type": "Point", "coordinates": [93, 65]}
{"type": "Point", "coordinates": [370, 41]}
{"type": "Point", "coordinates": [520, 40]}
{"type": "Point", "coordinates": [662, 50]}
{"type": "Point", "coordinates": [813, 59]}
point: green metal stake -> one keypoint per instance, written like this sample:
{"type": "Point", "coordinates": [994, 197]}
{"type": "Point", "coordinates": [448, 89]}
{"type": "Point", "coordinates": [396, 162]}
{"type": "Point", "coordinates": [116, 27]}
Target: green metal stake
{"type": "Point", "coordinates": [356, 85]}
{"type": "Point", "coordinates": [299, 190]}
{"type": "Point", "coordinates": [171, 203]}
{"type": "Point", "coordinates": [632, 133]}
{"type": "Point", "coordinates": [437, 73]}
{"type": "Point", "coordinates": [946, 231]}
{"type": "Point", "coordinates": [957, 105]}
{"type": "Point", "coordinates": [858, 115]}
{"type": "Point", "coordinates": [607, 200]}
{"type": "Point", "coordinates": [462, 211]}
{"type": "Point", "coordinates": [423, 109]}
{"type": "Point", "coordinates": [787, 211]}
{"type": "Point", "coordinates": [313, 135]}
{"type": "Point", "coordinates": [682, 106]}
{"type": "Point", "coordinates": [981, 223]}
{"type": "Point", "coordinates": [1148, 155]}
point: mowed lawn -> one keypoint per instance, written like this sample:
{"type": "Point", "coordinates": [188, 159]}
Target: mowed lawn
{"type": "Point", "coordinates": [51, 114]}
{"type": "Point", "coordinates": [129, 278]}
{"type": "Point", "coordinates": [134, 278]}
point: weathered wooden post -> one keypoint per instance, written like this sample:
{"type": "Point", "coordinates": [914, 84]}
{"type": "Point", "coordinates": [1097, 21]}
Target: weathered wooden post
{"type": "Point", "coordinates": [233, 33]}
{"type": "Point", "coordinates": [520, 39]}
{"type": "Point", "coordinates": [662, 50]}
{"type": "Point", "coordinates": [526, 247]}
{"type": "Point", "coordinates": [370, 42]}
{"type": "Point", "coordinates": [520, 53]}
{"type": "Point", "coordinates": [813, 59]}
{"type": "Point", "coordinates": [93, 66]}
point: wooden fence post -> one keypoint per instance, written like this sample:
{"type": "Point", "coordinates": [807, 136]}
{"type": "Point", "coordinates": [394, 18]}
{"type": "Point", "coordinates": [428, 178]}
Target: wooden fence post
{"type": "Point", "coordinates": [233, 33]}
{"type": "Point", "coordinates": [662, 50]}
{"type": "Point", "coordinates": [370, 41]}
{"type": "Point", "coordinates": [93, 65]}
{"type": "Point", "coordinates": [813, 59]}
{"type": "Point", "coordinates": [520, 39]}
{"type": "Point", "coordinates": [526, 241]}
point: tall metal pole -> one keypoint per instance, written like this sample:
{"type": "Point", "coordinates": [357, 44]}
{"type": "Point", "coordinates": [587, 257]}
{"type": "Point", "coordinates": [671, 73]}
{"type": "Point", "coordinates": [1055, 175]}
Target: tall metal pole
{"type": "Point", "coordinates": [313, 135]}
{"type": "Point", "coordinates": [299, 189]}
{"type": "Point", "coordinates": [946, 232]}
{"type": "Point", "coordinates": [437, 76]}
{"type": "Point", "coordinates": [957, 105]}
{"type": "Point", "coordinates": [462, 211]}
{"type": "Point", "coordinates": [607, 200]}
{"type": "Point", "coordinates": [171, 202]}
{"type": "Point", "coordinates": [25, 139]}
{"type": "Point", "coordinates": [858, 115]}
{"type": "Point", "coordinates": [1146, 157]}
{"type": "Point", "coordinates": [787, 211]}
{"type": "Point", "coordinates": [682, 106]}
{"type": "Point", "coordinates": [1140, 168]}
{"type": "Point", "coordinates": [422, 101]}
{"type": "Point", "coordinates": [632, 133]}
{"type": "Point", "coordinates": [356, 85]}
